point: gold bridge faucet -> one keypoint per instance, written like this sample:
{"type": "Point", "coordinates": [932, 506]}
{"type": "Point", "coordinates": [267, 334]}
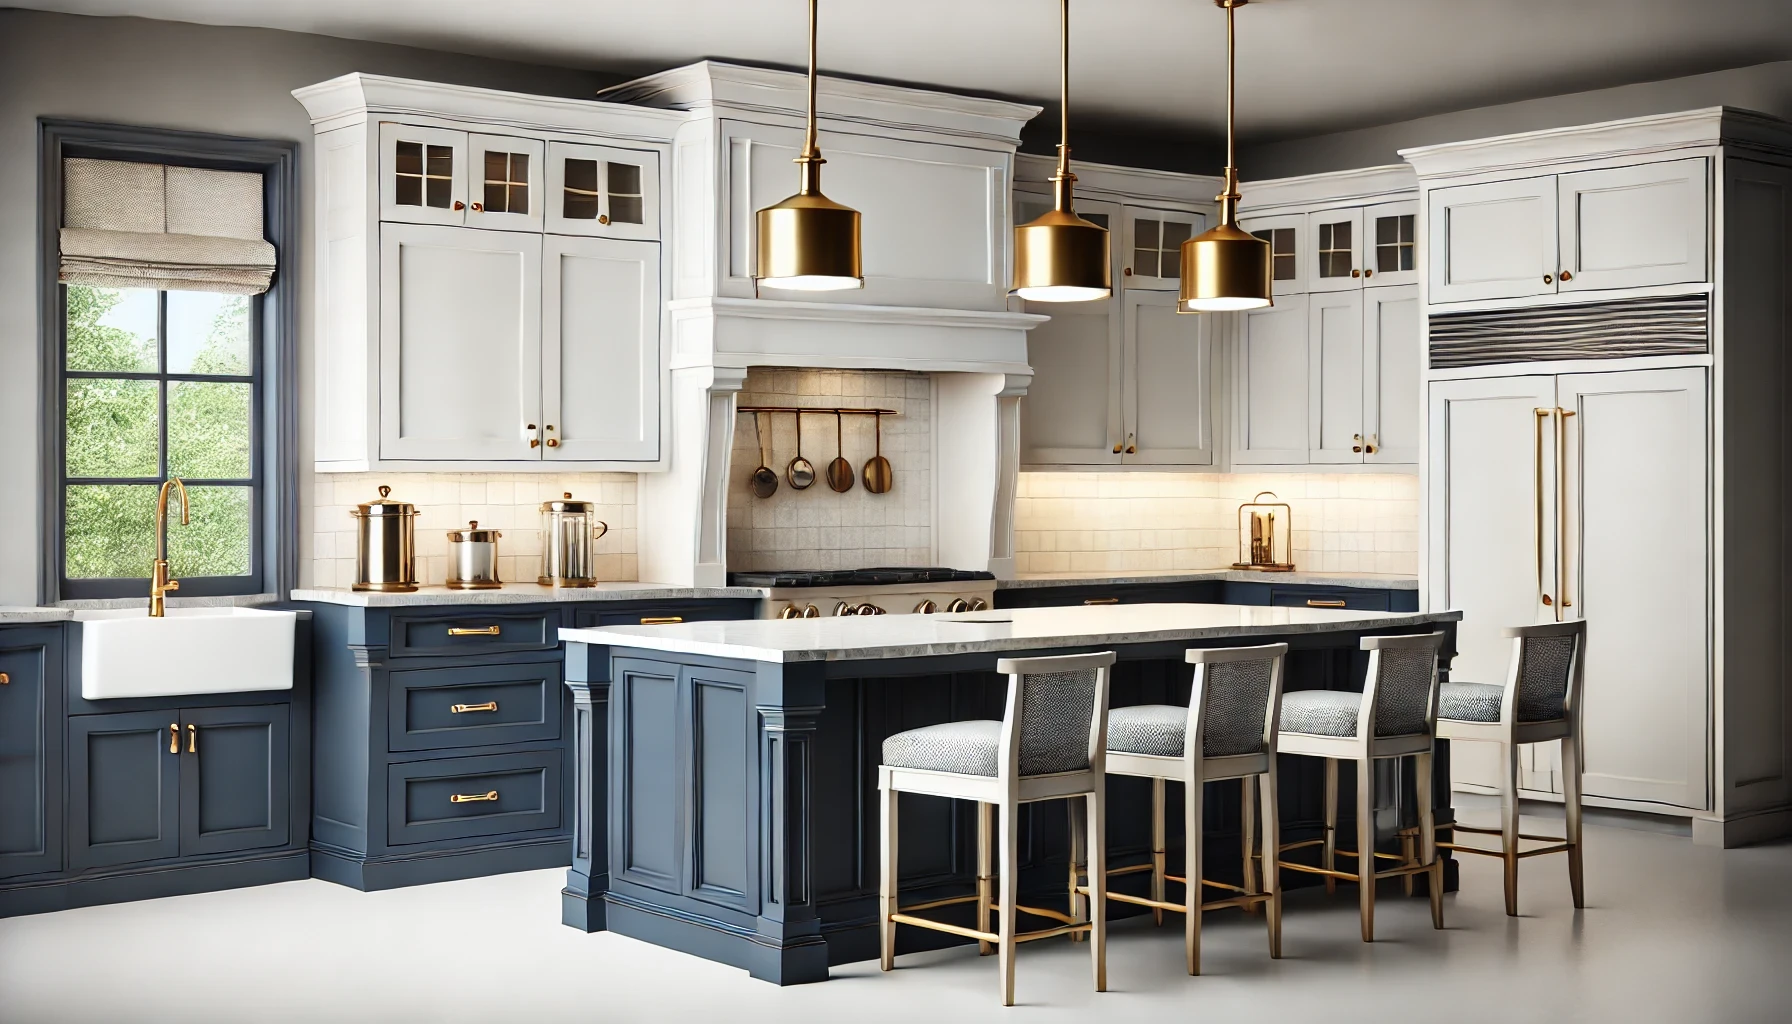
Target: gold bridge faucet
{"type": "Point", "coordinates": [159, 583]}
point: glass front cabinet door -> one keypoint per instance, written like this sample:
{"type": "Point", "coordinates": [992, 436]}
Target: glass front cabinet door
{"type": "Point", "coordinates": [423, 174]}
{"type": "Point", "coordinates": [1286, 235]}
{"type": "Point", "coordinates": [1337, 262]}
{"type": "Point", "coordinates": [1152, 257]}
{"type": "Point", "coordinates": [506, 188]}
{"type": "Point", "coordinates": [600, 190]}
{"type": "Point", "coordinates": [1390, 237]}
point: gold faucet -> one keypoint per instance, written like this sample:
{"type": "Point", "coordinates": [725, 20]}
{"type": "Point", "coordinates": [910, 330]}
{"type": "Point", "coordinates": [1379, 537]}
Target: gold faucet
{"type": "Point", "coordinates": [159, 583]}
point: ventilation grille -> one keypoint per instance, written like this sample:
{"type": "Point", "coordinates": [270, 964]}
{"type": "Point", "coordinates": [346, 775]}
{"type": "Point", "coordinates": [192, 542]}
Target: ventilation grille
{"type": "Point", "coordinates": [1674, 325]}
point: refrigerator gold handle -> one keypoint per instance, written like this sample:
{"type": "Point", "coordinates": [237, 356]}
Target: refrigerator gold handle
{"type": "Point", "coordinates": [1562, 509]}
{"type": "Point", "coordinates": [1542, 414]}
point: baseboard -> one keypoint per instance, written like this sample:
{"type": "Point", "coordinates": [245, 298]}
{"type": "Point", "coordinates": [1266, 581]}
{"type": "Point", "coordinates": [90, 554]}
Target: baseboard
{"type": "Point", "coordinates": [147, 883]}
{"type": "Point", "coordinates": [423, 867]}
{"type": "Point", "coordinates": [1744, 829]}
{"type": "Point", "coordinates": [795, 964]}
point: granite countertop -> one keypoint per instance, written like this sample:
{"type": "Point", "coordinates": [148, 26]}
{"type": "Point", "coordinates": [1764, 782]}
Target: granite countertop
{"type": "Point", "coordinates": [11, 615]}
{"type": "Point", "coordinates": [875, 637]}
{"type": "Point", "coordinates": [1372, 580]}
{"type": "Point", "coordinates": [523, 593]}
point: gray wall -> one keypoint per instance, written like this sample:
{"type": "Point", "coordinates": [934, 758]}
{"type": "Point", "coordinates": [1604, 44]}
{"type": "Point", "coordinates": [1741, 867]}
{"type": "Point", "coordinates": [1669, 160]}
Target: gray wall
{"type": "Point", "coordinates": [174, 75]}
{"type": "Point", "coordinates": [1763, 87]}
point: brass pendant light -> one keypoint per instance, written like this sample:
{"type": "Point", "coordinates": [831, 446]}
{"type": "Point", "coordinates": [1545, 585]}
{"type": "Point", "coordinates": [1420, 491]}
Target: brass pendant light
{"type": "Point", "coordinates": [809, 242]}
{"type": "Point", "coordinates": [1061, 257]}
{"type": "Point", "coordinates": [1226, 268]}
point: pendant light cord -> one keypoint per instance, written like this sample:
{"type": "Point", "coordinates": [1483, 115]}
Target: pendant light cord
{"type": "Point", "coordinates": [1063, 182]}
{"type": "Point", "coordinates": [809, 136]}
{"type": "Point", "coordinates": [1228, 198]}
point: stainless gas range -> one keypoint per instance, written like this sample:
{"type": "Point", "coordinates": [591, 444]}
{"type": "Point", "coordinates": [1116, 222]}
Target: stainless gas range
{"type": "Point", "coordinates": [809, 594]}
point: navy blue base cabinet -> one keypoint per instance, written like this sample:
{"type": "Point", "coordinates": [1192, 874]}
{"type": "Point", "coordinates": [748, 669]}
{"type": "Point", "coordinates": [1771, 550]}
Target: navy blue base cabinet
{"type": "Point", "coordinates": [1305, 595]}
{"type": "Point", "coordinates": [116, 800]}
{"type": "Point", "coordinates": [443, 738]}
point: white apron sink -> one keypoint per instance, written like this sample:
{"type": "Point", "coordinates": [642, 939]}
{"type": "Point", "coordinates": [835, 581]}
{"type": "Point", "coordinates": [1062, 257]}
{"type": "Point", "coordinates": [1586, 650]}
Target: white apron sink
{"type": "Point", "coordinates": [126, 653]}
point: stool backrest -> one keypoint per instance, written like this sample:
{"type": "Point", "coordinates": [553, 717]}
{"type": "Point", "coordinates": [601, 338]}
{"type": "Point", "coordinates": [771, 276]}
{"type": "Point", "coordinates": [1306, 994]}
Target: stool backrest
{"type": "Point", "coordinates": [1057, 714]}
{"type": "Point", "coordinates": [1400, 692]}
{"type": "Point", "coordinates": [1235, 703]}
{"type": "Point", "coordinates": [1544, 682]}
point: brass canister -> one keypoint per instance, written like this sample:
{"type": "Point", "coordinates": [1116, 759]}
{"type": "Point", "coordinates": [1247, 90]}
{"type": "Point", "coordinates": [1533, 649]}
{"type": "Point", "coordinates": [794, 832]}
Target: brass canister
{"type": "Point", "coordinates": [569, 533]}
{"type": "Point", "coordinates": [385, 551]}
{"type": "Point", "coordinates": [473, 558]}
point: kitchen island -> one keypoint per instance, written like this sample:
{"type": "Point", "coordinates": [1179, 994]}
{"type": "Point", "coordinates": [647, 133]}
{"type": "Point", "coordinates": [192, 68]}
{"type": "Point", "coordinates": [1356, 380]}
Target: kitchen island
{"type": "Point", "coordinates": [726, 771]}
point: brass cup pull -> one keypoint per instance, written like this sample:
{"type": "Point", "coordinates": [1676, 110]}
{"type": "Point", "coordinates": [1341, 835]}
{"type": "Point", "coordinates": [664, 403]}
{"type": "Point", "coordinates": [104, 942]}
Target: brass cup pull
{"type": "Point", "coordinates": [1567, 276]}
{"type": "Point", "coordinates": [1548, 279]}
{"type": "Point", "coordinates": [1101, 600]}
{"type": "Point", "coordinates": [1358, 446]}
{"type": "Point", "coordinates": [192, 739]}
{"type": "Point", "coordinates": [661, 620]}
{"type": "Point", "coordinates": [468, 631]}
{"type": "Point", "coordinates": [461, 709]}
{"type": "Point", "coordinates": [173, 738]}
{"type": "Point", "coordinates": [1117, 448]}
{"type": "Point", "coordinates": [473, 798]}
{"type": "Point", "coordinates": [1314, 602]}
{"type": "Point", "coordinates": [1131, 448]}
{"type": "Point", "coordinates": [535, 442]}
{"type": "Point", "coordinates": [1370, 445]}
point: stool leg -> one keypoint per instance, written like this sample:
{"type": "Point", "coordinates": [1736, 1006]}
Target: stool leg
{"type": "Point", "coordinates": [1009, 879]}
{"type": "Point", "coordinates": [1079, 857]}
{"type": "Point", "coordinates": [1329, 853]}
{"type": "Point", "coordinates": [1406, 859]}
{"type": "Point", "coordinates": [1272, 876]}
{"type": "Point", "coordinates": [1365, 844]}
{"type": "Point", "coordinates": [1191, 842]}
{"type": "Point", "coordinates": [1434, 878]}
{"type": "Point", "coordinates": [1098, 887]}
{"type": "Point", "coordinates": [986, 871]}
{"type": "Point", "coordinates": [886, 879]}
{"type": "Point", "coordinates": [1509, 823]}
{"type": "Point", "coordinates": [1157, 849]}
{"type": "Point", "coordinates": [1571, 772]}
{"type": "Point", "coordinates": [1247, 832]}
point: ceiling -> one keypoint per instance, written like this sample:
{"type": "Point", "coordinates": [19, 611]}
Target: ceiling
{"type": "Point", "coordinates": [1307, 66]}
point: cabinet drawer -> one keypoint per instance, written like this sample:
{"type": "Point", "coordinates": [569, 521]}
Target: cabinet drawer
{"type": "Point", "coordinates": [473, 633]}
{"type": "Point", "coordinates": [1305, 597]}
{"type": "Point", "coordinates": [463, 797]}
{"type": "Point", "coordinates": [632, 615]}
{"type": "Point", "coordinates": [475, 706]}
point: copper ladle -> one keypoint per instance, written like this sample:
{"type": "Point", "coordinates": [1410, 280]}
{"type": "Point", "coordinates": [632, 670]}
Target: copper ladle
{"type": "Point", "coordinates": [839, 470]}
{"type": "Point", "coordinates": [877, 468]}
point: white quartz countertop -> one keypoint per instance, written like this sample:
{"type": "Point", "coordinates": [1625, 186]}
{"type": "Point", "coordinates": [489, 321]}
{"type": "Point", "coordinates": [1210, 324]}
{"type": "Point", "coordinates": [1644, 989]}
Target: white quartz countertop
{"type": "Point", "coordinates": [10, 615]}
{"type": "Point", "coordinates": [1372, 580]}
{"type": "Point", "coordinates": [523, 593]}
{"type": "Point", "coordinates": [874, 637]}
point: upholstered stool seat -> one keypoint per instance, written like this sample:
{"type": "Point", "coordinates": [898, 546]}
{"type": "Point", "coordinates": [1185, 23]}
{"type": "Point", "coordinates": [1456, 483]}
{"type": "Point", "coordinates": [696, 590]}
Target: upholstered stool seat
{"type": "Point", "coordinates": [1158, 729]}
{"type": "Point", "coordinates": [967, 748]}
{"type": "Point", "coordinates": [1469, 702]}
{"type": "Point", "coordinates": [1320, 712]}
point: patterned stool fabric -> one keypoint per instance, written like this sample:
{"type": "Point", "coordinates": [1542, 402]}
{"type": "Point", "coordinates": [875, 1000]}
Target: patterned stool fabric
{"type": "Point", "coordinates": [967, 748]}
{"type": "Point", "coordinates": [1470, 702]}
{"type": "Point", "coordinates": [1321, 712]}
{"type": "Point", "coordinates": [1158, 729]}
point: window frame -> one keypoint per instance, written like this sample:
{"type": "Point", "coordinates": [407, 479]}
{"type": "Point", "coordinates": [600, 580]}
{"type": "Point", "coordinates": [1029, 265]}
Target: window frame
{"type": "Point", "coordinates": [273, 330]}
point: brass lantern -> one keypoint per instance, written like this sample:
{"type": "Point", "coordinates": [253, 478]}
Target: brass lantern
{"type": "Point", "coordinates": [1226, 268]}
{"type": "Point", "coordinates": [1265, 535]}
{"type": "Point", "coordinates": [809, 242]}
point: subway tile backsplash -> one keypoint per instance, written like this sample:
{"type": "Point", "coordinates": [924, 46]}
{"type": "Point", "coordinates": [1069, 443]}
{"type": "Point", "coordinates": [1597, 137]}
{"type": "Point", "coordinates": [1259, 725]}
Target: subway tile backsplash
{"type": "Point", "coordinates": [1094, 522]}
{"type": "Point", "coordinates": [507, 502]}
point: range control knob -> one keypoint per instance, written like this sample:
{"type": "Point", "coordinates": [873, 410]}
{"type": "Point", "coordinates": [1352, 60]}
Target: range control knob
{"type": "Point", "coordinates": [845, 609]}
{"type": "Point", "coordinates": [978, 604]}
{"type": "Point", "coordinates": [959, 604]}
{"type": "Point", "coordinates": [870, 609]}
{"type": "Point", "coordinates": [811, 612]}
{"type": "Point", "coordinates": [789, 611]}
{"type": "Point", "coordinates": [926, 607]}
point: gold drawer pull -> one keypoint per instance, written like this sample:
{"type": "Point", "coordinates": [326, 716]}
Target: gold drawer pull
{"type": "Point", "coordinates": [473, 798]}
{"type": "Point", "coordinates": [1102, 600]}
{"type": "Point", "coordinates": [192, 738]}
{"type": "Point", "coordinates": [461, 709]}
{"type": "Point", "coordinates": [1317, 603]}
{"type": "Point", "coordinates": [661, 620]}
{"type": "Point", "coordinates": [4, 679]}
{"type": "Point", "coordinates": [464, 631]}
{"type": "Point", "coordinates": [173, 738]}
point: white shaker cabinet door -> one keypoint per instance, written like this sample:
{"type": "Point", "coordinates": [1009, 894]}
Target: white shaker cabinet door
{"type": "Point", "coordinates": [460, 343]}
{"type": "Point", "coordinates": [1169, 418]}
{"type": "Point", "coordinates": [1631, 227]}
{"type": "Point", "coordinates": [1071, 413]}
{"type": "Point", "coordinates": [1637, 558]}
{"type": "Point", "coordinates": [1493, 241]}
{"type": "Point", "coordinates": [600, 374]}
{"type": "Point", "coordinates": [1391, 395]}
{"type": "Point", "coordinates": [1490, 493]}
{"type": "Point", "coordinates": [1270, 385]}
{"type": "Point", "coordinates": [1335, 377]}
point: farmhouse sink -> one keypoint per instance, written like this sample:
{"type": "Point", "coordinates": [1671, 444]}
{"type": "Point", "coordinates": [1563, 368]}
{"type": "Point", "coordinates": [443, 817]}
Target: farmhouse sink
{"type": "Point", "coordinates": [126, 653]}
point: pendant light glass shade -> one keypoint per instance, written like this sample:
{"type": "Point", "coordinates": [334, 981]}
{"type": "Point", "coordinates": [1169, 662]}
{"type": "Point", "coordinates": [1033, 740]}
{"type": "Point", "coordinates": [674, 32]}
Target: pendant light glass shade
{"type": "Point", "coordinates": [809, 242]}
{"type": "Point", "coordinates": [1060, 257]}
{"type": "Point", "coordinates": [1226, 269]}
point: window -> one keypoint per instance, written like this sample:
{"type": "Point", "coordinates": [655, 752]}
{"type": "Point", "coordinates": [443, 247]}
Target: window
{"type": "Point", "coordinates": [167, 360]}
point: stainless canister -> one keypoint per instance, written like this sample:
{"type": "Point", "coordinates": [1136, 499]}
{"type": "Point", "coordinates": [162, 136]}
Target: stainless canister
{"type": "Point", "coordinates": [385, 552]}
{"type": "Point", "coordinates": [569, 533]}
{"type": "Point", "coordinates": [473, 558]}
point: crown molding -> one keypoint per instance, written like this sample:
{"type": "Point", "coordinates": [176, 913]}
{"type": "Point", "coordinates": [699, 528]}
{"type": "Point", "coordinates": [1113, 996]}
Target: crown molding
{"type": "Point", "coordinates": [1366, 184]}
{"type": "Point", "coordinates": [1636, 136]}
{"type": "Point", "coordinates": [352, 98]}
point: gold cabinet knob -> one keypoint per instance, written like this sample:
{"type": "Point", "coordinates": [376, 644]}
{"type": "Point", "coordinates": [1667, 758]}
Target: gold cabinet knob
{"type": "Point", "coordinates": [1548, 279]}
{"type": "Point", "coordinates": [1369, 273]}
{"type": "Point", "coordinates": [603, 218]}
{"type": "Point", "coordinates": [1117, 448]}
{"type": "Point", "coordinates": [478, 207]}
{"type": "Point", "coordinates": [1369, 446]}
{"type": "Point", "coordinates": [553, 442]}
{"type": "Point", "coordinates": [1566, 276]}
{"type": "Point", "coordinates": [1358, 446]}
{"type": "Point", "coordinates": [1127, 272]}
{"type": "Point", "coordinates": [4, 679]}
{"type": "Point", "coordinates": [1356, 273]}
{"type": "Point", "coordinates": [458, 205]}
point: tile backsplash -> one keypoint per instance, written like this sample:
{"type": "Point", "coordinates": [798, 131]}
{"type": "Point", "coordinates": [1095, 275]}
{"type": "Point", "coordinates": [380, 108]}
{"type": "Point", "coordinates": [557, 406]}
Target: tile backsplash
{"type": "Point", "coordinates": [1092, 522]}
{"type": "Point", "coordinates": [817, 528]}
{"type": "Point", "coordinates": [507, 502]}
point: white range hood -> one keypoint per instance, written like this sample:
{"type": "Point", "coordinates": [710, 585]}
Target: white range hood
{"type": "Point", "coordinates": [931, 174]}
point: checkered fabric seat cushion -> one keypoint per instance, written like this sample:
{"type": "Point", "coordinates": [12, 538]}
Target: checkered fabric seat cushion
{"type": "Point", "coordinates": [966, 748]}
{"type": "Point", "coordinates": [1321, 712]}
{"type": "Point", "coordinates": [1148, 729]}
{"type": "Point", "coordinates": [1469, 702]}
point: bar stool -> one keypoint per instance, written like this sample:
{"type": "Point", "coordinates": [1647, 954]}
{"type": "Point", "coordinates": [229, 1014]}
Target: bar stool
{"type": "Point", "coordinates": [1228, 731]}
{"type": "Point", "coordinates": [1051, 744]}
{"type": "Point", "coordinates": [1539, 702]}
{"type": "Point", "coordinates": [1393, 717]}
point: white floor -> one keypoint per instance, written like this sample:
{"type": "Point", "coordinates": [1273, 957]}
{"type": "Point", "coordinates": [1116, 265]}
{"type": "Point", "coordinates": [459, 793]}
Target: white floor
{"type": "Point", "coordinates": [1672, 932]}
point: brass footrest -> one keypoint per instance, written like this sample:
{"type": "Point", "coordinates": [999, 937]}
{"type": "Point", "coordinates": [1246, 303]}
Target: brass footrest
{"type": "Point", "coordinates": [1070, 925]}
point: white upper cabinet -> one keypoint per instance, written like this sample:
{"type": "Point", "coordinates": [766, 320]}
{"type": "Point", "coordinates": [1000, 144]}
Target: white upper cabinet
{"type": "Point", "coordinates": [1168, 380]}
{"type": "Point", "coordinates": [505, 186]}
{"type": "Point", "coordinates": [423, 174]}
{"type": "Point", "coordinates": [1493, 241]}
{"type": "Point", "coordinates": [1392, 411]}
{"type": "Point", "coordinates": [1391, 244]}
{"type": "Point", "coordinates": [1071, 415]}
{"type": "Point", "coordinates": [1335, 377]}
{"type": "Point", "coordinates": [602, 190]}
{"type": "Point", "coordinates": [460, 343]}
{"type": "Point", "coordinates": [1151, 252]}
{"type": "Point", "coordinates": [1269, 395]}
{"type": "Point", "coordinates": [1631, 227]}
{"type": "Point", "coordinates": [1287, 238]}
{"type": "Point", "coordinates": [600, 353]}
{"type": "Point", "coordinates": [1337, 250]}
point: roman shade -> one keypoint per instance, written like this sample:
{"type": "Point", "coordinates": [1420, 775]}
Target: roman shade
{"type": "Point", "coordinates": [133, 225]}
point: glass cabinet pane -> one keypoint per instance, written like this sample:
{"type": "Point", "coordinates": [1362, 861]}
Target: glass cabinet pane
{"type": "Point", "coordinates": [624, 189]}
{"type": "Point", "coordinates": [1147, 242]}
{"type": "Point", "coordinates": [1334, 249]}
{"type": "Point", "coordinates": [579, 195]}
{"type": "Point", "coordinates": [506, 182]}
{"type": "Point", "coordinates": [1281, 251]}
{"type": "Point", "coordinates": [410, 174]}
{"type": "Point", "coordinates": [438, 179]}
{"type": "Point", "coordinates": [1395, 246]}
